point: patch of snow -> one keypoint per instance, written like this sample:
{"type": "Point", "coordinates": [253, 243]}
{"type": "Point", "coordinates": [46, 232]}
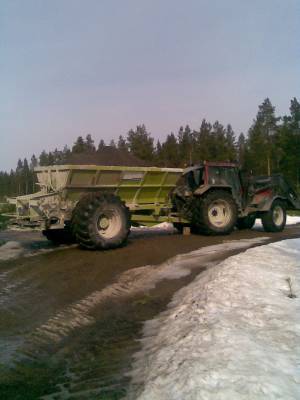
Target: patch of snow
{"type": "Point", "coordinates": [11, 250]}
{"type": "Point", "coordinates": [292, 220]}
{"type": "Point", "coordinates": [233, 333]}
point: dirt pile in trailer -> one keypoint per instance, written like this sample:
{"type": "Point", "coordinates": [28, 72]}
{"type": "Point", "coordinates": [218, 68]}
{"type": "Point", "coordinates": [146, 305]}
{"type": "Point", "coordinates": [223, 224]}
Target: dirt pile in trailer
{"type": "Point", "coordinates": [107, 156]}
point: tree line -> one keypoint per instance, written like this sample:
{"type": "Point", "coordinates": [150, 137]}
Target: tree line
{"type": "Point", "coordinates": [271, 145]}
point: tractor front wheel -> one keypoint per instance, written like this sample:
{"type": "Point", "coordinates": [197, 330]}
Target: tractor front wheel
{"type": "Point", "coordinates": [215, 213]}
{"type": "Point", "coordinates": [274, 220]}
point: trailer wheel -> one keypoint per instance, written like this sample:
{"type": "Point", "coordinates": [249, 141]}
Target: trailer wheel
{"type": "Point", "coordinates": [274, 220]}
{"type": "Point", "coordinates": [101, 221]}
{"type": "Point", "coordinates": [59, 236]}
{"type": "Point", "coordinates": [215, 213]}
{"type": "Point", "coordinates": [246, 222]}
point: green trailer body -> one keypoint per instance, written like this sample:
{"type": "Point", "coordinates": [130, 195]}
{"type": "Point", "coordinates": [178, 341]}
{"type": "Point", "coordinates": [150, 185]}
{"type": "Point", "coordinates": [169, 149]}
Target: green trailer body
{"type": "Point", "coordinates": [145, 191]}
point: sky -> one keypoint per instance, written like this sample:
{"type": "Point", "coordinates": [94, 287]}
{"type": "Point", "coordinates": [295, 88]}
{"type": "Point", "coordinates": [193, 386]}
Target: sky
{"type": "Point", "coordinates": [73, 67]}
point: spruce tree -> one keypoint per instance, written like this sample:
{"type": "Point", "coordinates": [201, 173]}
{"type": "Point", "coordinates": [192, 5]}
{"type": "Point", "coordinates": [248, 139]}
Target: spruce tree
{"type": "Point", "coordinates": [261, 154]}
{"type": "Point", "coordinates": [140, 143]}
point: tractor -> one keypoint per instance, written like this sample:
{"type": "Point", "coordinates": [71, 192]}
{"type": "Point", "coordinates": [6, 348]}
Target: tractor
{"type": "Point", "coordinates": [215, 197]}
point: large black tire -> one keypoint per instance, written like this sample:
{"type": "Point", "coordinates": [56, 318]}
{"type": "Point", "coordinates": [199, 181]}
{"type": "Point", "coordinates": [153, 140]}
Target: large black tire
{"type": "Point", "coordinates": [246, 222]}
{"type": "Point", "coordinates": [100, 221]}
{"type": "Point", "coordinates": [274, 220]}
{"type": "Point", "coordinates": [59, 236]}
{"type": "Point", "coordinates": [215, 214]}
{"type": "Point", "coordinates": [179, 227]}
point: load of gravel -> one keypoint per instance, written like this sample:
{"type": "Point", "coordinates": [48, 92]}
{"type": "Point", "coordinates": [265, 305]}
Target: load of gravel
{"type": "Point", "coordinates": [107, 156]}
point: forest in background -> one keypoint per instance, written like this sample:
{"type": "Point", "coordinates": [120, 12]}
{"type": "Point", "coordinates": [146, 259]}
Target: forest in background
{"type": "Point", "coordinates": [271, 145]}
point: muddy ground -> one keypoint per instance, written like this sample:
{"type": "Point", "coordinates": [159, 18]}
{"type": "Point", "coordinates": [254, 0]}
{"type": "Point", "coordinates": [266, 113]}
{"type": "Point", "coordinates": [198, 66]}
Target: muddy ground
{"type": "Point", "coordinates": [70, 319]}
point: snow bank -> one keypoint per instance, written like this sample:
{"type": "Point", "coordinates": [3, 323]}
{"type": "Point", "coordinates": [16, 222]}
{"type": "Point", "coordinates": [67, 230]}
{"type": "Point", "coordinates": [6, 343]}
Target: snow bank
{"type": "Point", "coordinates": [231, 334]}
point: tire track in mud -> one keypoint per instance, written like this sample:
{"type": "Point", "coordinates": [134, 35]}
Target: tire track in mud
{"type": "Point", "coordinates": [130, 283]}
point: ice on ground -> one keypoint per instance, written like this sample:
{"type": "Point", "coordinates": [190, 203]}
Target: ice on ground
{"type": "Point", "coordinates": [233, 333]}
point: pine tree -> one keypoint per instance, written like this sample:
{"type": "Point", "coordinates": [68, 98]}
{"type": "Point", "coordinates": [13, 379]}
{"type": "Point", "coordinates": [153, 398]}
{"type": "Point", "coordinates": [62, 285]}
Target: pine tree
{"type": "Point", "coordinates": [79, 146]}
{"type": "Point", "coordinates": [288, 144]}
{"type": "Point", "coordinates": [101, 145]}
{"type": "Point", "coordinates": [241, 149]}
{"type": "Point", "coordinates": [43, 159]}
{"type": "Point", "coordinates": [185, 142]}
{"type": "Point", "coordinates": [89, 144]}
{"type": "Point", "coordinates": [261, 155]}
{"type": "Point", "coordinates": [202, 142]}
{"type": "Point", "coordinates": [65, 154]}
{"type": "Point", "coordinates": [122, 145]}
{"type": "Point", "coordinates": [170, 152]}
{"type": "Point", "coordinates": [33, 162]}
{"type": "Point", "coordinates": [140, 143]}
{"type": "Point", "coordinates": [231, 150]}
{"type": "Point", "coordinates": [25, 177]}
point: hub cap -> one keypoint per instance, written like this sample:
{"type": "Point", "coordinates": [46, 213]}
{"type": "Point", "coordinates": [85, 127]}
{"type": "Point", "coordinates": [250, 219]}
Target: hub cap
{"type": "Point", "coordinates": [109, 223]}
{"type": "Point", "coordinates": [219, 213]}
{"type": "Point", "coordinates": [278, 215]}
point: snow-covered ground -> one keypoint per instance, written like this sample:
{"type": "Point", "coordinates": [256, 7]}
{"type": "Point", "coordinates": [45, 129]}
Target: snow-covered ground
{"type": "Point", "coordinates": [233, 333]}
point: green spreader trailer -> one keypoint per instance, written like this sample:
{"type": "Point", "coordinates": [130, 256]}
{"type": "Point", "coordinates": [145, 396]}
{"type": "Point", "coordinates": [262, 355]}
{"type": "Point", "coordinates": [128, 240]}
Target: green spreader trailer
{"type": "Point", "coordinates": [97, 205]}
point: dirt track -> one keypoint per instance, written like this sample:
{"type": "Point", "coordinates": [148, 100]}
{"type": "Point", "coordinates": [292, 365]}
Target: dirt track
{"type": "Point", "coordinates": [69, 319]}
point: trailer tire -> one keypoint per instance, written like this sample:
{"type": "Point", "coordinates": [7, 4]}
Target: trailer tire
{"type": "Point", "coordinates": [59, 236]}
{"type": "Point", "coordinates": [246, 222]}
{"type": "Point", "coordinates": [215, 214]}
{"type": "Point", "coordinates": [100, 221]}
{"type": "Point", "coordinates": [274, 220]}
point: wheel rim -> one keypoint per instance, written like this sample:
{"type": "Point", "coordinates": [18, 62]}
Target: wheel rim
{"type": "Point", "coordinates": [109, 224]}
{"type": "Point", "coordinates": [219, 213]}
{"type": "Point", "coordinates": [278, 215]}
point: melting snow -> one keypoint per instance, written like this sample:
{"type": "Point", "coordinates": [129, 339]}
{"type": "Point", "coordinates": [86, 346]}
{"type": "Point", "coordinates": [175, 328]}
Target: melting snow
{"type": "Point", "coordinates": [233, 333]}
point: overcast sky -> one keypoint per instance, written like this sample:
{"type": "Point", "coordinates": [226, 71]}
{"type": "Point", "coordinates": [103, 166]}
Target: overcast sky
{"type": "Point", "coordinates": [72, 67]}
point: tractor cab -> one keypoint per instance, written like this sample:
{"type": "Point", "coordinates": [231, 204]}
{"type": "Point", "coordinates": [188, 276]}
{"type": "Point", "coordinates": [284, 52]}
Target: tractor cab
{"type": "Point", "coordinates": [203, 177]}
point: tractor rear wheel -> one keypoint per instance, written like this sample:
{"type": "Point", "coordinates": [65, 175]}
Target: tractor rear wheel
{"type": "Point", "coordinates": [274, 220]}
{"type": "Point", "coordinates": [215, 213]}
{"type": "Point", "coordinates": [100, 221]}
{"type": "Point", "coordinates": [246, 222]}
